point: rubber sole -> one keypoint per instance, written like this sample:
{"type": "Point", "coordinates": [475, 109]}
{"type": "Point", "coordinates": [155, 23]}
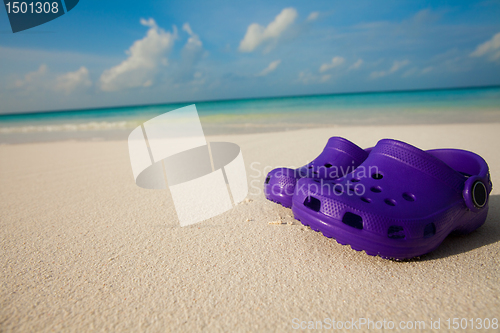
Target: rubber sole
{"type": "Point", "coordinates": [375, 245]}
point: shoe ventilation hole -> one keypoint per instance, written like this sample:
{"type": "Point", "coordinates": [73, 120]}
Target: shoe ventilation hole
{"type": "Point", "coordinates": [268, 179]}
{"type": "Point", "coordinates": [338, 189]}
{"type": "Point", "coordinates": [353, 220]}
{"type": "Point", "coordinates": [429, 230]}
{"type": "Point", "coordinates": [312, 203]}
{"type": "Point", "coordinates": [317, 180]}
{"type": "Point", "coordinates": [377, 176]}
{"type": "Point", "coordinates": [315, 173]}
{"type": "Point", "coordinates": [376, 189]}
{"type": "Point", "coordinates": [328, 165]}
{"type": "Point", "coordinates": [390, 202]}
{"type": "Point", "coordinates": [409, 196]}
{"type": "Point", "coordinates": [310, 167]}
{"type": "Point", "coordinates": [355, 180]}
{"type": "Point", "coordinates": [396, 232]}
{"type": "Point", "coordinates": [365, 199]}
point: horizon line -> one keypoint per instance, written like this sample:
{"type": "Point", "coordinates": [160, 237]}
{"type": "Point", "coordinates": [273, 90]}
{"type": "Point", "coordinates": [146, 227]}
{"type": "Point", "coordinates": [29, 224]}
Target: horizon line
{"type": "Point", "coordinates": [369, 92]}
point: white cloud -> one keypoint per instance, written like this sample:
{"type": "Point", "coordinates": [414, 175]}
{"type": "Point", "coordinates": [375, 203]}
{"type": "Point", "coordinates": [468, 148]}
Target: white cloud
{"type": "Point", "coordinates": [257, 34]}
{"type": "Point", "coordinates": [356, 65]}
{"type": "Point", "coordinates": [490, 48]}
{"type": "Point", "coordinates": [415, 71]}
{"type": "Point", "coordinates": [427, 70]}
{"type": "Point", "coordinates": [336, 61]}
{"type": "Point", "coordinates": [144, 58]}
{"type": "Point", "coordinates": [312, 17]}
{"type": "Point", "coordinates": [425, 16]}
{"type": "Point", "coordinates": [32, 78]}
{"type": "Point", "coordinates": [185, 70]}
{"type": "Point", "coordinates": [306, 77]}
{"type": "Point", "coordinates": [43, 81]}
{"type": "Point", "coordinates": [397, 65]}
{"type": "Point", "coordinates": [194, 39]}
{"type": "Point", "coordinates": [71, 81]}
{"type": "Point", "coordinates": [272, 66]}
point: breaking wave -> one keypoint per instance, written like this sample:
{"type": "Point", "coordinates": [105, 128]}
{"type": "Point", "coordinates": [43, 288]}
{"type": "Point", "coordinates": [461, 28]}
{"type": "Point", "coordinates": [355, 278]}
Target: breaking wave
{"type": "Point", "coordinates": [91, 126]}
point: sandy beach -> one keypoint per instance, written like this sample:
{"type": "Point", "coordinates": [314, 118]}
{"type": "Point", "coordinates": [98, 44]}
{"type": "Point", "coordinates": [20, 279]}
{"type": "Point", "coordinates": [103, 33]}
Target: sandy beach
{"type": "Point", "coordinates": [85, 249]}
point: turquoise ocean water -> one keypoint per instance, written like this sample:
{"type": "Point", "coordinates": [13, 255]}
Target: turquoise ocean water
{"type": "Point", "coordinates": [474, 105]}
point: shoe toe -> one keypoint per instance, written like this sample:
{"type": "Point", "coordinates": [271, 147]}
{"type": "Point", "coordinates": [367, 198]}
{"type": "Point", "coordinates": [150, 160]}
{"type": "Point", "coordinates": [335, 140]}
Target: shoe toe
{"type": "Point", "coordinates": [280, 182]}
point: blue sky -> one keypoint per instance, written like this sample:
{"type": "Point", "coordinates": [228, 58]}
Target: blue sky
{"type": "Point", "coordinates": [110, 53]}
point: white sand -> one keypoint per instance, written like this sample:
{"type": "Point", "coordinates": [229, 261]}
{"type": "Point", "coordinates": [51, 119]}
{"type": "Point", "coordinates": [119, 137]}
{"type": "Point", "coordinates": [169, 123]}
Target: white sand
{"type": "Point", "coordinates": [84, 249]}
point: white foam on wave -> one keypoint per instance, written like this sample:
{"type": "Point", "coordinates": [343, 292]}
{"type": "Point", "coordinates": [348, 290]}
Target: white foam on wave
{"type": "Point", "coordinates": [91, 126]}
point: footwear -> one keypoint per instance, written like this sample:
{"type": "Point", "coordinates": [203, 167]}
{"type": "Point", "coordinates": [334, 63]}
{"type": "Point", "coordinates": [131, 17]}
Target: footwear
{"type": "Point", "coordinates": [401, 202]}
{"type": "Point", "coordinates": [339, 158]}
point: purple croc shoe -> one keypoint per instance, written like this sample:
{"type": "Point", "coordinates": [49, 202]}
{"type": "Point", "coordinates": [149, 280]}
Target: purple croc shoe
{"type": "Point", "coordinates": [339, 157]}
{"type": "Point", "coordinates": [401, 202]}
